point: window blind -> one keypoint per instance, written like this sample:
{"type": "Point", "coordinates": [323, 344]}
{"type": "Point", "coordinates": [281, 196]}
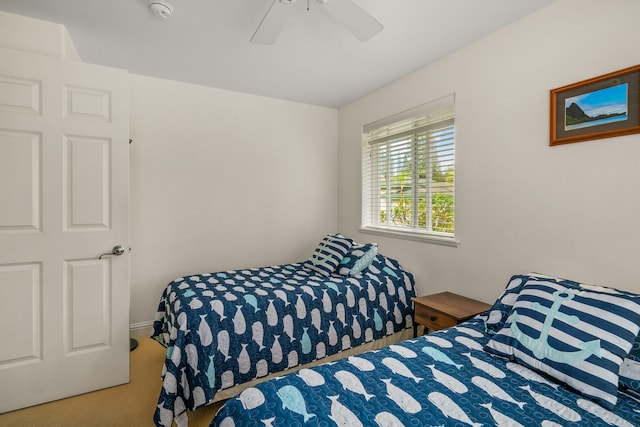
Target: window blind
{"type": "Point", "coordinates": [408, 168]}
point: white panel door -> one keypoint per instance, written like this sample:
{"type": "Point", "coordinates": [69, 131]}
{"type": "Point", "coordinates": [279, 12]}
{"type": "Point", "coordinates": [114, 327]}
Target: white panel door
{"type": "Point", "coordinates": [64, 180]}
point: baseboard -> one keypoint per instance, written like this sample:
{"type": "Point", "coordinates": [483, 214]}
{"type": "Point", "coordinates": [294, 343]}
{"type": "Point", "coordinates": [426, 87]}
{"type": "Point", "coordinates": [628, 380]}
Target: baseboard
{"type": "Point", "coordinates": [141, 330]}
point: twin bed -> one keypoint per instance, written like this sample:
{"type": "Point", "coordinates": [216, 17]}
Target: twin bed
{"type": "Point", "coordinates": [550, 352]}
{"type": "Point", "coordinates": [228, 330]}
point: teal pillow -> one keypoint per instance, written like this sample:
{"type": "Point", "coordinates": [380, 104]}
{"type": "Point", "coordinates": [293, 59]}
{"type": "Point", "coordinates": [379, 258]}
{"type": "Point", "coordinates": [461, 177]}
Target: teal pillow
{"type": "Point", "coordinates": [357, 259]}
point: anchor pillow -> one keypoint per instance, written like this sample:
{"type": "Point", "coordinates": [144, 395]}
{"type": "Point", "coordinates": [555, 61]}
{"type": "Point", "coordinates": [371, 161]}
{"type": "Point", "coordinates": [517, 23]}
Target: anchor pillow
{"type": "Point", "coordinates": [578, 335]}
{"type": "Point", "coordinates": [328, 254]}
{"type": "Point", "coordinates": [497, 315]}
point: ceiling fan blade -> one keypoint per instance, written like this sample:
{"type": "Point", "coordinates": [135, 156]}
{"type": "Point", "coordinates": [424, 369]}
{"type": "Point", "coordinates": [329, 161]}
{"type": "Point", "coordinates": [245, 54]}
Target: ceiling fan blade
{"type": "Point", "coordinates": [353, 18]}
{"type": "Point", "coordinates": [272, 22]}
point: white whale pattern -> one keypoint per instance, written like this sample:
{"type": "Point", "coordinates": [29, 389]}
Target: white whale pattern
{"type": "Point", "coordinates": [403, 351]}
{"type": "Point", "coordinates": [218, 307]}
{"type": "Point", "coordinates": [287, 321]}
{"type": "Point", "coordinates": [251, 398]}
{"type": "Point", "coordinates": [341, 415]}
{"type": "Point", "coordinates": [471, 344]}
{"type": "Point", "coordinates": [382, 298]}
{"type": "Point", "coordinates": [239, 324]}
{"type": "Point", "coordinates": [192, 357]}
{"type": "Point", "coordinates": [257, 331]}
{"type": "Point", "coordinates": [327, 302]}
{"type": "Point", "coordinates": [494, 391]}
{"type": "Point", "coordinates": [501, 420]}
{"type": "Point", "coordinates": [448, 381]}
{"type": "Point", "coordinates": [606, 416]}
{"type": "Point", "coordinates": [356, 328]}
{"type": "Point", "coordinates": [387, 419]}
{"type": "Point", "coordinates": [630, 369]}
{"type": "Point", "coordinates": [311, 377]}
{"type": "Point", "coordinates": [272, 314]}
{"type": "Point", "coordinates": [276, 350]}
{"type": "Point", "coordinates": [350, 382]}
{"type": "Point", "coordinates": [554, 406]}
{"type": "Point", "coordinates": [204, 331]}
{"type": "Point", "coordinates": [440, 342]}
{"type": "Point", "coordinates": [333, 334]}
{"type": "Point", "coordinates": [223, 344]}
{"type": "Point", "coordinates": [530, 375]}
{"type": "Point", "coordinates": [242, 316]}
{"type": "Point", "coordinates": [351, 298]}
{"type": "Point", "coordinates": [362, 364]}
{"type": "Point", "coordinates": [450, 409]}
{"type": "Point", "coordinates": [282, 295]}
{"type": "Point", "coordinates": [244, 362]}
{"type": "Point", "coordinates": [301, 308]}
{"type": "Point", "coordinates": [341, 313]}
{"type": "Point", "coordinates": [262, 368]}
{"type": "Point", "coordinates": [397, 367]}
{"type": "Point", "coordinates": [403, 399]}
{"type": "Point", "coordinates": [485, 366]}
{"type": "Point", "coordinates": [468, 331]}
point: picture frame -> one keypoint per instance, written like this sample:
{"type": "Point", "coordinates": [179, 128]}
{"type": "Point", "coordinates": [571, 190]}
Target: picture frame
{"type": "Point", "coordinates": [601, 107]}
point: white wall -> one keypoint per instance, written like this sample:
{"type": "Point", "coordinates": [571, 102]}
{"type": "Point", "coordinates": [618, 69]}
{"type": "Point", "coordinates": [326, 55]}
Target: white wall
{"type": "Point", "coordinates": [521, 205]}
{"type": "Point", "coordinates": [36, 36]}
{"type": "Point", "coordinates": [223, 180]}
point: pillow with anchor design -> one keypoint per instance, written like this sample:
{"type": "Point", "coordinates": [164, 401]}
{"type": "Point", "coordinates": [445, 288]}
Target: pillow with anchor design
{"type": "Point", "coordinates": [328, 254]}
{"type": "Point", "coordinates": [497, 315]}
{"type": "Point", "coordinates": [577, 334]}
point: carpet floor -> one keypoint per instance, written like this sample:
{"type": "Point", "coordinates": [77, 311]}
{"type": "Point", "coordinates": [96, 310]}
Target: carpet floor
{"type": "Point", "coordinates": [127, 405]}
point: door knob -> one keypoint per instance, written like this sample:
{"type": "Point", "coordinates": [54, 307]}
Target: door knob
{"type": "Point", "coordinates": [116, 251]}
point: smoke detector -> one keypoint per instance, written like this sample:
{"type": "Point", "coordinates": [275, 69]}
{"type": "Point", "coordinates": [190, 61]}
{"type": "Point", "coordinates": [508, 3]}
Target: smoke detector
{"type": "Point", "coordinates": [160, 9]}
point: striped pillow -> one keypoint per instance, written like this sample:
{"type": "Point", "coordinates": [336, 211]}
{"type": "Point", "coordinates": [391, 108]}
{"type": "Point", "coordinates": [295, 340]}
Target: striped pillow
{"type": "Point", "coordinates": [328, 254]}
{"type": "Point", "coordinates": [501, 309]}
{"type": "Point", "coordinates": [577, 334]}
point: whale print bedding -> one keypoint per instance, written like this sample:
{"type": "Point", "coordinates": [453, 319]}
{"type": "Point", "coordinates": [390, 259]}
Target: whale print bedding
{"type": "Point", "coordinates": [228, 328]}
{"type": "Point", "coordinates": [442, 379]}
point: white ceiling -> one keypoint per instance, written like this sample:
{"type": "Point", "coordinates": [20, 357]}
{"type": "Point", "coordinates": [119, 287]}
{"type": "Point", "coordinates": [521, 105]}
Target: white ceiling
{"type": "Point", "coordinates": [314, 60]}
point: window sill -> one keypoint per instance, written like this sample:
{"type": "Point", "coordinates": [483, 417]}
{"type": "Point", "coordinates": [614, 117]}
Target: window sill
{"type": "Point", "coordinates": [409, 235]}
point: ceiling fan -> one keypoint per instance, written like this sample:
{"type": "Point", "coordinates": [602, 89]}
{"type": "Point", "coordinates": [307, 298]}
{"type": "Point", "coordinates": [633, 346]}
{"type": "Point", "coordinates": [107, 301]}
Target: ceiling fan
{"type": "Point", "coordinates": [350, 15]}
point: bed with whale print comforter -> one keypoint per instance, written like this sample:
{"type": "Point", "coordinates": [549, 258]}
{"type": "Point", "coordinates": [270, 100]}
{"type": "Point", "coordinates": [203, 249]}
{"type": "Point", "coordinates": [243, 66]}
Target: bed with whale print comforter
{"type": "Point", "coordinates": [228, 328]}
{"type": "Point", "coordinates": [449, 378]}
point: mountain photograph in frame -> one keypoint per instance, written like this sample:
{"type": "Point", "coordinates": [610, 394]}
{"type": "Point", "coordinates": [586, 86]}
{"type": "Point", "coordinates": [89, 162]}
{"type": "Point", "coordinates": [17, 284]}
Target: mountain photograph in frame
{"type": "Point", "coordinates": [601, 107]}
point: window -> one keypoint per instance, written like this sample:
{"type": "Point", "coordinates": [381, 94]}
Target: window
{"type": "Point", "coordinates": [408, 172]}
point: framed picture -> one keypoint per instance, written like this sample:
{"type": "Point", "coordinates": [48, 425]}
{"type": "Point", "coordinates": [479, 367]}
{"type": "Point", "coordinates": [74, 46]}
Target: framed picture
{"type": "Point", "coordinates": [601, 107]}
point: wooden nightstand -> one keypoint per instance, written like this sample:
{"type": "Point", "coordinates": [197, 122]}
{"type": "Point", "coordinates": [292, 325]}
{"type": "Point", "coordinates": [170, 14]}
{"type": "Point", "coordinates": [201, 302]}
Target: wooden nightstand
{"type": "Point", "coordinates": [443, 310]}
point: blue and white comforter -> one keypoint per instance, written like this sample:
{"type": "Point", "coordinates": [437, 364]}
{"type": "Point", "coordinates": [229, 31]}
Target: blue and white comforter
{"type": "Point", "coordinates": [228, 328]}
{"type": "Point", "coordinates": [444, 378]}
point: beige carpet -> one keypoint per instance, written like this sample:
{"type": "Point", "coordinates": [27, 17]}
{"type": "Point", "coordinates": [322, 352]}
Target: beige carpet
{"type": "Point", "coordinates": [127, 405]}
